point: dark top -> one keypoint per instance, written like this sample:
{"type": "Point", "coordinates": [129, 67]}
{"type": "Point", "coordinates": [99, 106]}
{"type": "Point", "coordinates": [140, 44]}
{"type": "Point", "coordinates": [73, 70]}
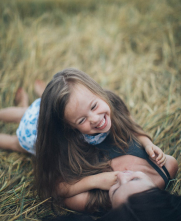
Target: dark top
{"type": "Point", "coordinates": [112, 151]}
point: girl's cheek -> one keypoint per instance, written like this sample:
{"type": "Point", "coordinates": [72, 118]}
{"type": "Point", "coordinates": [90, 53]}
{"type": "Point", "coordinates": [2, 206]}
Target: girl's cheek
{"type": "Point", "coordinates": [84, 127]}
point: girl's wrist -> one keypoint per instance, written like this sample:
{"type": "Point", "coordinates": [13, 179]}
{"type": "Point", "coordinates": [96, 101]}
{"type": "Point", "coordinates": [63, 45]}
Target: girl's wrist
{"type": "Point", "coordinates": [145, 141]}
{"type": "Point", "coordinates": [95, 182]}
{"type": "Point", "coordinates": [91, 181]}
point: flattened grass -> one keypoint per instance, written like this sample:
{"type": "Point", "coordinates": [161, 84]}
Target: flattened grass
{"type": "Point", "coordinates": [131, 47]}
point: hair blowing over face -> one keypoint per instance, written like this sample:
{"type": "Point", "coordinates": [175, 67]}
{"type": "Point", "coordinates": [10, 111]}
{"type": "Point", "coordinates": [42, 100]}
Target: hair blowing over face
{"type": "Point", "coordinates": [61, 153]}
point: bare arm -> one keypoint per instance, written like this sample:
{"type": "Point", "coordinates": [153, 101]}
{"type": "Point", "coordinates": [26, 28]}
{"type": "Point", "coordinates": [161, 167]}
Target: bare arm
{"type": "Point", "coordinates": [99, 181]}
{"type": "Point", "coordinates": [157, 154]}
{"type": "Point", "coordinates": [152, 150]}
{"type": "Point", "coordinates": [77, 202]}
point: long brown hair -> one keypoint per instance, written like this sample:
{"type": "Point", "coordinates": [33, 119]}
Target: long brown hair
{"type": "Point", "coordinates": [62, 155]}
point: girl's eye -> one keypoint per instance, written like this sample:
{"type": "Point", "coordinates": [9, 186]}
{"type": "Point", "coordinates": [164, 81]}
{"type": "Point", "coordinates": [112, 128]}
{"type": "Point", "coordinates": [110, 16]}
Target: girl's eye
{"type": "Point", "coordinates": [80, 122]}
{"type": "Point", "coordinates": [136, 178]}
{"type": "Point", "coordinates": [94, 106]}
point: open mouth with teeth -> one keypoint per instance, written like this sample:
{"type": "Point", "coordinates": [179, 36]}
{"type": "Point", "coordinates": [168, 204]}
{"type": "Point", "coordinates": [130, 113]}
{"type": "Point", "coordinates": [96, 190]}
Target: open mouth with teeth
{"type": "Point", "coordinates": [102, 124]}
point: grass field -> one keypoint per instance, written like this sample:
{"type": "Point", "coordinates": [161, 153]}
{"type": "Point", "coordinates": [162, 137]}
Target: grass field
{"type": "Point", "coordinates": [132, 47]}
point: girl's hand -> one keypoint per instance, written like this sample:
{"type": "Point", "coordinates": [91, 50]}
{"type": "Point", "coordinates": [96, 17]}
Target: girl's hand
{"type": "Point", "coordinates": [105, 180]}
{"type": "Point", "coordinates": [156, 154]}
{"type": "Point", "coordinates": [98, 181]}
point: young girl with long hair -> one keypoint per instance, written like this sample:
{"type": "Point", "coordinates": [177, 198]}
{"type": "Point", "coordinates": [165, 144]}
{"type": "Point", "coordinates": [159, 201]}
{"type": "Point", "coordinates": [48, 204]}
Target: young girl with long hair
{"type": "Point", "coordinates": [85, 135]}
{"type": "Point", "coordinates": [76, 117]}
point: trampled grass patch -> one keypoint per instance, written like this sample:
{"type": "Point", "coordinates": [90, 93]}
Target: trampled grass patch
{"type": "Point", "coordinates": [131, 47]}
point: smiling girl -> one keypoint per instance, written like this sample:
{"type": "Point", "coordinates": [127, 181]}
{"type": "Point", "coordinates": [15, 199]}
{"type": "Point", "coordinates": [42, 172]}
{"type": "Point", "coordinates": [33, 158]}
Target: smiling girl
{"type": "Point", "coordinates": [84, 136]}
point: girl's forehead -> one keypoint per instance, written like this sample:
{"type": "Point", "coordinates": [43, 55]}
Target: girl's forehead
{"type": "Point", "coordinates": [78, 87]}
{"type": "Point", "coordinates": [78, 91]}
{"type": "Point", "coordinates": [79, 100]}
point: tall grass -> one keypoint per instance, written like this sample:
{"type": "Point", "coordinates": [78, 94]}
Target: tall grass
{"type": "Point", "coordinates": [131, 47]}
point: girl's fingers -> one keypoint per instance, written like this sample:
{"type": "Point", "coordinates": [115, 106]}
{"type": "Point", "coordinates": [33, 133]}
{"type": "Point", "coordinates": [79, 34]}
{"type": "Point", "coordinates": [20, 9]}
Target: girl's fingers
{"type": "Point", "coordinates": [162, 161]}
{"type": "Point", "coordinates": [160, 156]}
{"type": "Point", "coordinates": [150, 152]}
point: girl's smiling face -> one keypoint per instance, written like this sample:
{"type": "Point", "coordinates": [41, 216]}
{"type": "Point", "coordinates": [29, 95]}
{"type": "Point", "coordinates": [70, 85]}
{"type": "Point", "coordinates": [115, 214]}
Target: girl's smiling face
{"type": "Point", "coordinates": [87, 112]}
{"type": "Point", "coordinates": [128, 183]}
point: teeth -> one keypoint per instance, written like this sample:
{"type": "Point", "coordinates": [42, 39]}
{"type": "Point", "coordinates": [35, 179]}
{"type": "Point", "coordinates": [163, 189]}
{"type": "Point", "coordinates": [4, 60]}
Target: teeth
{"type": "Point", "coordinates": [102, 123]}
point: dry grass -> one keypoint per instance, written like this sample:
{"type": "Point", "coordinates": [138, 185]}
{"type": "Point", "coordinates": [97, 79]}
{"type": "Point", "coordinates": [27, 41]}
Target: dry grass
{"type": "Point", "coordinates": [131, 47]}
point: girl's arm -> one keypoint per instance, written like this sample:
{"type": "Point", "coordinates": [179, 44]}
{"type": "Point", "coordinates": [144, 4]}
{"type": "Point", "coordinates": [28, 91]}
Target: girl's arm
{"type": "Point", "coordinates": [152, 150]}
{"type": "Point", "coordinates": [77, 202]}
{"type": "Point", "coordinates": [99, 181]}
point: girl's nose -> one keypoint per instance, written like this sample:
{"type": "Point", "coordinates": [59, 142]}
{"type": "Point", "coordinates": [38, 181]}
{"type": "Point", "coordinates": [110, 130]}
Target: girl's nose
{"type": "Point", "coordinates": [93, 118]}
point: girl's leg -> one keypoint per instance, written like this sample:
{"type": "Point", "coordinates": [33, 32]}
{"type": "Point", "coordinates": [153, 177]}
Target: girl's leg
{"type": "Point", "coordinates": [21, 98]}
{"type": "Point", "coordinates": [39, 87]}
{"type": "Point", "coordinates": [10, 142]}
{"type": "Point", "coordinates": [14, 114]}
